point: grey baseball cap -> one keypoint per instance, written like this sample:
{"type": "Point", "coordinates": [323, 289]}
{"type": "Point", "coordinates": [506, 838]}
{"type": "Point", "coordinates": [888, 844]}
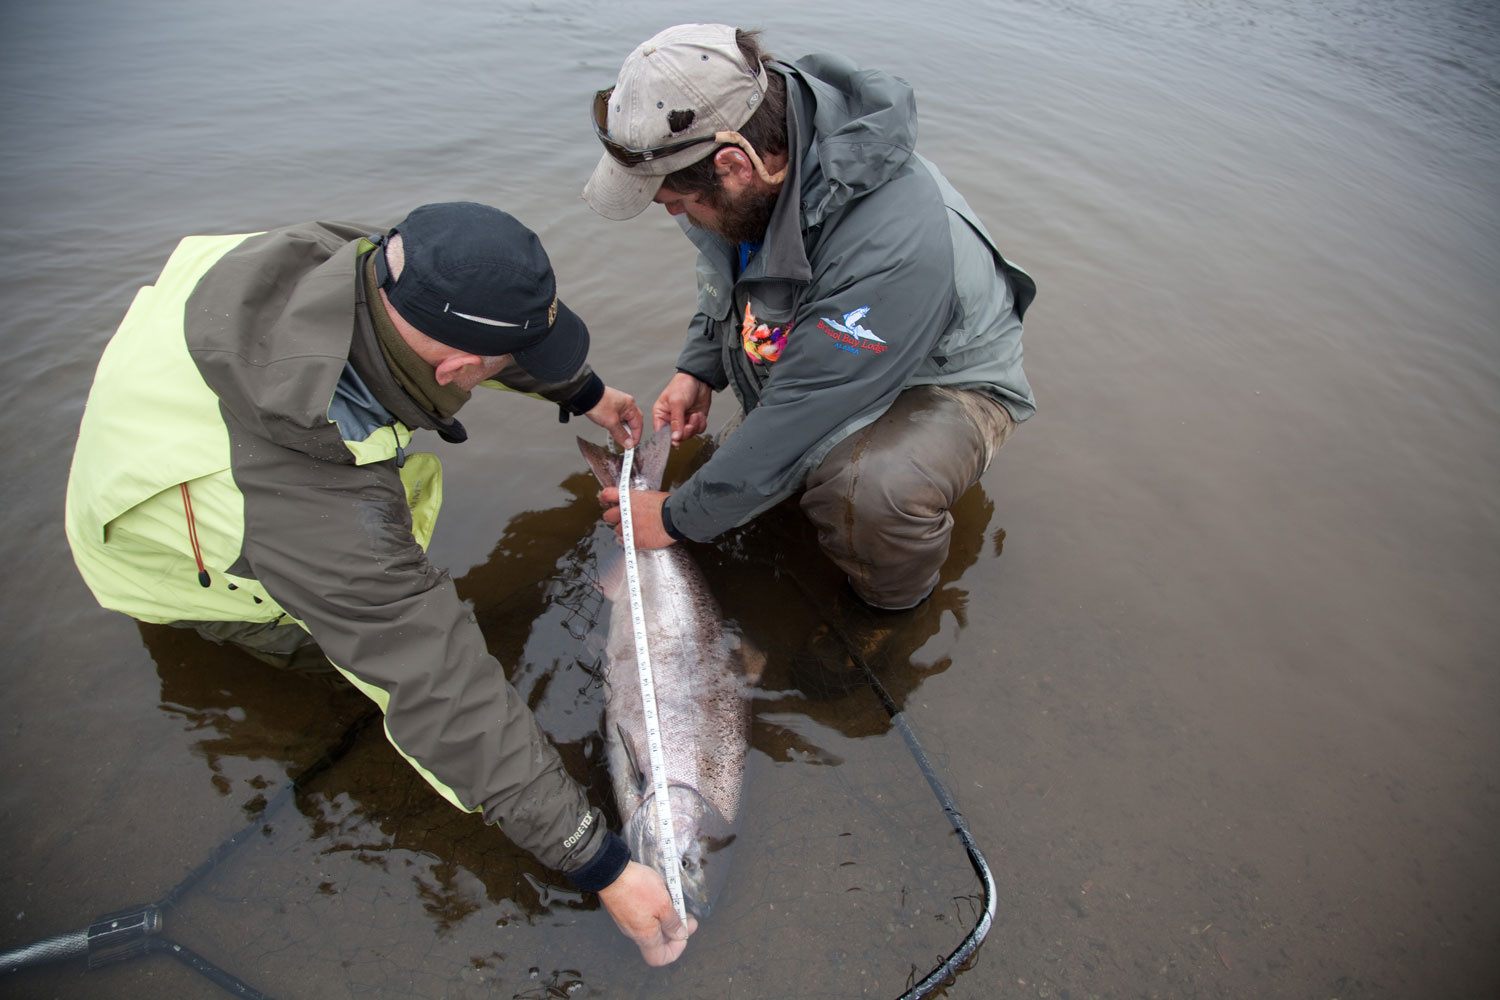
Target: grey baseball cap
{"type": "Point", "coordinates": [674, 94]}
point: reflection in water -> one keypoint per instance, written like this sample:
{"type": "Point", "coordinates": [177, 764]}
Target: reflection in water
{"type": "Point", "coordinates": [774, 579]}
{"type": "Point", "coordinates": [247, 711]}
{"type": "Point", "coordinates": [255, 724]}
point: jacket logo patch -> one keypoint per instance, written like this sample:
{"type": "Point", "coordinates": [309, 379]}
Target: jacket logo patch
{"type": "Point", "coordinates": [762, 342]}
{"type": "Point", "coordinates": [850, 335]}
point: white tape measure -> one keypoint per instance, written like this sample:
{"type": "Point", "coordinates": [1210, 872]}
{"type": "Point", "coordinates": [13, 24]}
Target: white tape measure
{"type": "Point", "coordinates": [665, 830]}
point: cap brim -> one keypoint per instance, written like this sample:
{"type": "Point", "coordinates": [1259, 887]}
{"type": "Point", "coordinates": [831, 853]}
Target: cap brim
{"type": "Point", "coordinates": [559, 355]}
{"type": "Point", "coordinates": [617, 192]}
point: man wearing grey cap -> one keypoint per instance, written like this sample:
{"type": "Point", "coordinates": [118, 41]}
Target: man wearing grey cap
{"type": "Point", "coordinates": [847, 294]}
{"type": "Point", "coordinates": [243, 468]}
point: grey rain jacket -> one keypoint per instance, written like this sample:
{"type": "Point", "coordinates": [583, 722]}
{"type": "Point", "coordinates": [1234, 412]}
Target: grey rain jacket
{"type": "Point", "coordinates": [875, 275]}
{"type": "Point", "coordinates": [250, 376]}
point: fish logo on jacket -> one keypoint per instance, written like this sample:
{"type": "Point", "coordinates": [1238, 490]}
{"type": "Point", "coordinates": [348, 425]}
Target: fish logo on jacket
{"type": "Point", "coordinates": [850, 335]}
{"type": "Point", "coordinates": [851, 326]}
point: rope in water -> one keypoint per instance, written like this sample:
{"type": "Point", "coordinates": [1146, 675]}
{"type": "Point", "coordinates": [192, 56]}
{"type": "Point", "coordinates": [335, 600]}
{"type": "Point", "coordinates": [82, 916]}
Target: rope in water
{"type": "Point", "coordinates": [947, 970]}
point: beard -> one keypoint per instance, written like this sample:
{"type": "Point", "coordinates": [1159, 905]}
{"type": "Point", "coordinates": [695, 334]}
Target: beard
{"type": "Point", "coordinates": [743, 219]}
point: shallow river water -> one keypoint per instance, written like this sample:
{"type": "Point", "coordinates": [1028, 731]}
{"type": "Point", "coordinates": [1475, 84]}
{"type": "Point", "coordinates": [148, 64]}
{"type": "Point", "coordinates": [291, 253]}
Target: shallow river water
{"type": "Point", "coordinates": [1212, 671]}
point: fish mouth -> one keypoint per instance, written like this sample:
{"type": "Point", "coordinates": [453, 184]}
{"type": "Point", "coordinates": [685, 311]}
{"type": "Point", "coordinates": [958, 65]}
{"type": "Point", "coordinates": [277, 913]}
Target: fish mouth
{"type": "Point", "coordinates": [701, 833]}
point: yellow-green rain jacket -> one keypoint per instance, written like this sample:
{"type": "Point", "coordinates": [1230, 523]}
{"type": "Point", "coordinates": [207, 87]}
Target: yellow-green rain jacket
{"type": "Point", "coordinates": [247, 387]}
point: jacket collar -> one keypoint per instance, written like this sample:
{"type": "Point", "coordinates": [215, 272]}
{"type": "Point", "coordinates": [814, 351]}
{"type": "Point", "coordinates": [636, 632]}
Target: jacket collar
{"type": "Point", "coordinates": [783, 256]}
{"type": "Point", "coordinates": [366, 357]}
{"type": "Point", "coordinates": [848, 132]}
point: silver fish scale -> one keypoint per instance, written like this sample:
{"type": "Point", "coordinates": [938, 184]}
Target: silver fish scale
{"type": "Point", "coordinates": [699, 681]}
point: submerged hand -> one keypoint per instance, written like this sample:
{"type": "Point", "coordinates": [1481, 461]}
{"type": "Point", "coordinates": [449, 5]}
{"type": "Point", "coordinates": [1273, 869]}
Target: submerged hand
{"type": "Point", "coordinates": [645, 516]}
{"type": "Point", "coordinates": [642, 908]}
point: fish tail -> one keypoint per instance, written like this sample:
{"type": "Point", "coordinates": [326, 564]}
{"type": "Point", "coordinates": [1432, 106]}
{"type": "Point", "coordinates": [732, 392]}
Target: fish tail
{"type": "Point", "coordinates": [649, 466]}
{"type": "Point", "coordinates": [651, 460]}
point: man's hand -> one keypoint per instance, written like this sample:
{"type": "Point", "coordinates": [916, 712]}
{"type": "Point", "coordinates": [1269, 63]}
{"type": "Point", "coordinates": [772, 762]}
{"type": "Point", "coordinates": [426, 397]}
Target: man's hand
{"type": "Point", "coordinates": [642, 908]}
{"type": "Point", "coordinates": [617, 413]}
{"type": "Point", "coordinates": [683, 404]}
{"type": "Point", "coordinates": [645, 516]}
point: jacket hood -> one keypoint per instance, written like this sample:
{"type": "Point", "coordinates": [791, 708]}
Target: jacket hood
{"type": "Point", "coordinates": [865, 121]}
{"type": "Point", "coordinates": [275, 361]}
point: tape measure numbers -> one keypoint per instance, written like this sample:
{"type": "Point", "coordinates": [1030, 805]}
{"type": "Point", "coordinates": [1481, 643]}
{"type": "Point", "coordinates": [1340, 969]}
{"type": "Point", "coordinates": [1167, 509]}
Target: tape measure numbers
{"type": "Point", "coordinates": [665, 829]}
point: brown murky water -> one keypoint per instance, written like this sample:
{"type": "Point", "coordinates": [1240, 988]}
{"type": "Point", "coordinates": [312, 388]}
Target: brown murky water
{"type": "Point", "coordinates": [1212, 672]}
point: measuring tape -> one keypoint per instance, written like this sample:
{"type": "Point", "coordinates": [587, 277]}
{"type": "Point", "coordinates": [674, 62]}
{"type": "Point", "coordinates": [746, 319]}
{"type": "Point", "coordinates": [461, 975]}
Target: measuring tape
{"type": "Point", "coordinates": [665, 831]}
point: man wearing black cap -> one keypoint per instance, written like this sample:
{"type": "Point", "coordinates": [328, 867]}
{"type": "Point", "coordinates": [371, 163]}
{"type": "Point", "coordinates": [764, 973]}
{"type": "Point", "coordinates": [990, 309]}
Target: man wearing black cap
{"type": "Point", "coordinates": [242, 468]}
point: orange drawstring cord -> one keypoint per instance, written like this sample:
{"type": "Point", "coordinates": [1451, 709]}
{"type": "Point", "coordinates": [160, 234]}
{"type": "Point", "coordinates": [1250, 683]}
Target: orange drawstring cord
{"type": "Point", "coordinates": [187, 506]}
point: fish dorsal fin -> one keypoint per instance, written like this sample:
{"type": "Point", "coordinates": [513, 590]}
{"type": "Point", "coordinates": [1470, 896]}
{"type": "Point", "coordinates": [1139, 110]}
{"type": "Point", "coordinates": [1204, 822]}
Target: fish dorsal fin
{"type": "Point", "coordinates": [642, 779]}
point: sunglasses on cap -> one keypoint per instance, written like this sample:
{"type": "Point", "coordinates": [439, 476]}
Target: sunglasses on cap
{"type": "Point", "coordinates": [635, 157]}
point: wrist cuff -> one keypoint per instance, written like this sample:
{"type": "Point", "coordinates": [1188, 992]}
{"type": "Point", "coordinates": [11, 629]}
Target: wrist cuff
{"type": "Point", "coordinates": [586, 398]}
{"type": "Point", "coordinates": [604, 867]}
{"type": "Point", "coordinates": [666, 521]}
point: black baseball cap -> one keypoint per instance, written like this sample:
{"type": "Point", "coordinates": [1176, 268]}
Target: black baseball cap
{"type": "Point", "coordinates": [476, 279]}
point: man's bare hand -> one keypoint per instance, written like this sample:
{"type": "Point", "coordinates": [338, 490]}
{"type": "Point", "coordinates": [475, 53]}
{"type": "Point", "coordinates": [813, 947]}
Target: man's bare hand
{"type": "Point", "coordinates": [645, 516]}
{"type": "Point", "coordinates": [683, 404]}
{"type": "Point", "coordinates": [642, 908]}
{"type": "Point", "coordinates": [617, 413]}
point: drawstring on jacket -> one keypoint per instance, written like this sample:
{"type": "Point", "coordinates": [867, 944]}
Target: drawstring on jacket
{"type": "Point", "coordinates": [192, 525]}
{"type": "Point", "coordinates": [400, 451]}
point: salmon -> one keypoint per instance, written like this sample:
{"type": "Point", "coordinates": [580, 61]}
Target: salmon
{"type": "Point", "coordinates": [702, 674]}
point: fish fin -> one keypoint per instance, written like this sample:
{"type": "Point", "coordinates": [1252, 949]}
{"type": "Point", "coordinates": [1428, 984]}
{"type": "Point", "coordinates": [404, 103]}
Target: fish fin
{"type": "Point", "coordinates": [606, 466]}
{"type": "Point", "coordinates": [651, 460]}
{"type": "Point", "coordinates": [751, 662]}
{"type": "Point", "coordinates": [612, 575]}
{"type": "Point", "coordinates": [642, 779]}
